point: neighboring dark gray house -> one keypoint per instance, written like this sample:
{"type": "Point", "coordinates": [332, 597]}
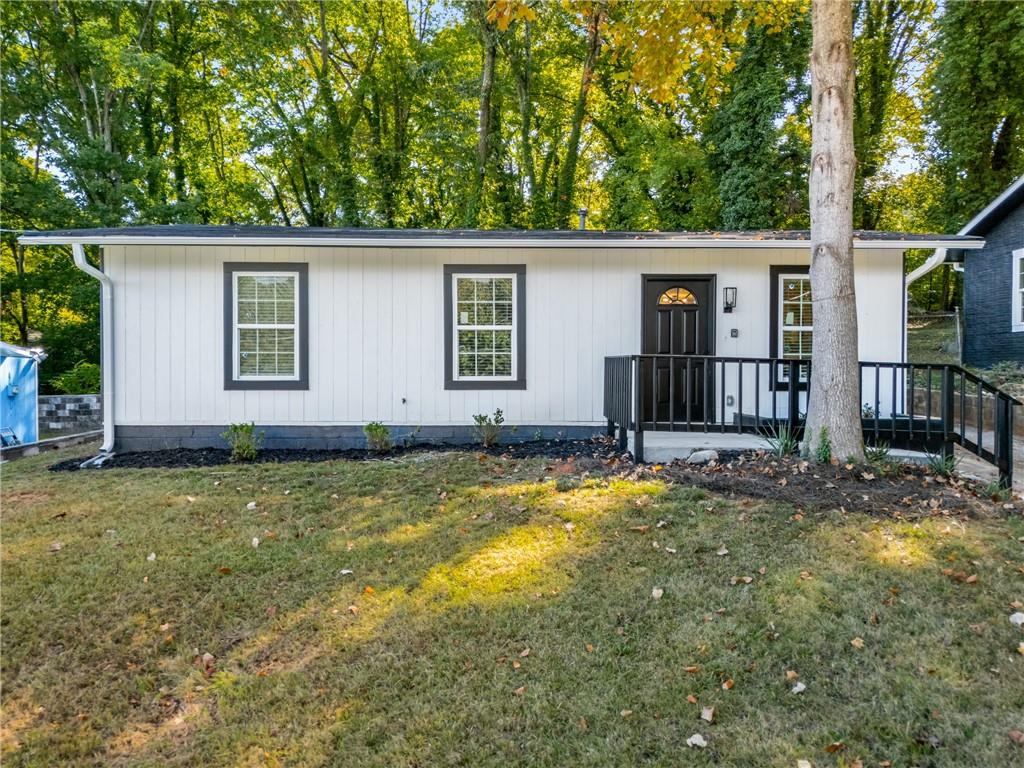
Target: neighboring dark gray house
{"type": "Point", "coordinates": [994, 282]}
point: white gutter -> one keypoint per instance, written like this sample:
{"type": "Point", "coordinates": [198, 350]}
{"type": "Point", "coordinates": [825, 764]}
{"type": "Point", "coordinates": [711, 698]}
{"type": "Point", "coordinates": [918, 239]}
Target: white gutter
{"type": "Point", "coordinates": [933, 261]}
{"type": "Point", "coordinates": [107, 349]}
{"type": "Point", "coordinates": [448, 242]}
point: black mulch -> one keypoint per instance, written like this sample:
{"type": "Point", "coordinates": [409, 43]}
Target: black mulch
{"type": "Point", "coordinates": [183, 458]}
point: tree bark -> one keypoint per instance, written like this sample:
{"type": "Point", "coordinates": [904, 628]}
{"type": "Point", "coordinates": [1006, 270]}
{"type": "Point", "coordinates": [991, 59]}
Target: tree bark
{"type": "Point", "coordinates": [567, 177]}
{"type": "Point", "coordinates": [483, 141]}
{"type": "Point", "coordinates": [833, 414]}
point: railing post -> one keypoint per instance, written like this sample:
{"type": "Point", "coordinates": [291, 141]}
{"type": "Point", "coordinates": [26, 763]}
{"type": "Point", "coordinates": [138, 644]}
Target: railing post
{"type": "Point", "coordinates": [947, 412]}
{"type": "Point", "coordinates": [794, 394]}
{"type": "Point", "coordinates": [1004, 439]}
{"type": "Point", "coordinates": [638, 426]}
{"type": "Point", "coordinates": [610, 430]}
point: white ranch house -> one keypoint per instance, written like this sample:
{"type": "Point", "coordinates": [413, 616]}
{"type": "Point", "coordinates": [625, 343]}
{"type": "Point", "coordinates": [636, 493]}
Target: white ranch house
{"type": "Point", "coordinates": [313, 333]}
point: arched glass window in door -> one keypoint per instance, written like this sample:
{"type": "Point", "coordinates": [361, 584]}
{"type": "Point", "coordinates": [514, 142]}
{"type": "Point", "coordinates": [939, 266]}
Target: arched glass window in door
{"type": "Point", "coordinates": [677, 295]}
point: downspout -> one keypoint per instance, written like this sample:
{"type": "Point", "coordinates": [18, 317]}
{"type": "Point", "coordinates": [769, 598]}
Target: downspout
{"type": "Point", "coordinates": [933, 261]}
{"type": "Point", "coordinates": [106, 350]}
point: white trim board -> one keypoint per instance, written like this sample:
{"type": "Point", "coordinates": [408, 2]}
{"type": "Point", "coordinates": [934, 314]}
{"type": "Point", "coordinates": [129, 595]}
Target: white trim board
{"type": "Point", "coordinates": [505, 244]}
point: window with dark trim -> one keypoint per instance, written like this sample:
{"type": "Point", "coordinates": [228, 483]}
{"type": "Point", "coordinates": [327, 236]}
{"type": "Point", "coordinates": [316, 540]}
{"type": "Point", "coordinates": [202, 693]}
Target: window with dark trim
{"type": "Point", "coordinates": [791, 320]}
{"type": "Point", "coordinates": [266, 325]}
{"type": "Point", "coordinates": [485, 326]}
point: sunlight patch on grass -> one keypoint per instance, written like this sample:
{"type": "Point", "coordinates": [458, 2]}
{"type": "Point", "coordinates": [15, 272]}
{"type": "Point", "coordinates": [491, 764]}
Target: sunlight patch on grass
{"type": "Point", "coordinates": [899, 546]}
{"type": "Point", "coordinates": [518, 563]}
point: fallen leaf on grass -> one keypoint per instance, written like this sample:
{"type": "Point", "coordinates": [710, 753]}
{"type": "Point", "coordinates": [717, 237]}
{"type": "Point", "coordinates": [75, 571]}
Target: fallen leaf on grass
{"type": "Point", "coordinates": [692, 699]}
{"type": "Point", "coordinates": [722, 551]}
{"type": "Point", "coordinates": [223, 570]}
{"type": "Point", "coordinates": [368, 590]}
{"type": "Point", "coordinates": [656, 593]}
{"type": "Point", "coordinates": [346, 572]}
{"type": "Point", "coordinates": [56, 546]}
{"type": "Point", "coordinates": [791, 674]}
{"type": "Point", "coordinates": [1017, 737]}
{"type": "Point", "coordinates": [589, 648]}
{"type": "Point", "coordinates": [708, 714]}
{"type": "Point", "coordinates": [151, 556]}
{"type": "Point", "coordinates": [165, 626]}
{"type": "Point", "coordinates": [640, 528]}
{"type": "Point", "coordinates": [728, 684]}
{"type": "Point", "coordinates": [520, 690]}
{"type": "Point", "coordinates": [255, 542]}
{"type": "Point", "coordinates": [1017, 619]}
{"type": "Point", "coordinates": [857, 642]}
{"type": "Point", "coordinates": [696, 741]}
{"type": "Point", "coordinates": [251, 505]}
{"type": "Point", "coordinates": [799, 688]}
{"type": "Point", "coordinates": [835, 746]}
{"type": "Point", "coordinates": [692, 669]}
{"type": "Point", "coordinates": [804, 764]}
{"type": "Point", "coordinates": [626, 713]}
{"type": "Point", "coordinates": [524, 653]}
{"type": "Point", "coordinates": [741, 580]}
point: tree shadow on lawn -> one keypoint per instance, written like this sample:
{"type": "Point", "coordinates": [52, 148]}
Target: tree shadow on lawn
{"type": "Point", "coordinates": [466, 572]}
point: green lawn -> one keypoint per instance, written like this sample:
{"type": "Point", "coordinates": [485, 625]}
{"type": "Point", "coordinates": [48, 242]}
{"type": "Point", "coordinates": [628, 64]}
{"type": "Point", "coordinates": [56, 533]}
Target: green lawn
{"type": "Point", "coordinates": [498, 613]}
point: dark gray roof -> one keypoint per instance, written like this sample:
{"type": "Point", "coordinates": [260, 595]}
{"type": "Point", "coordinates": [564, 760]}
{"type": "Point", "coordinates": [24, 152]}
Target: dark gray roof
{"type": "Point", "coordinates": [997, 210]}
{"type": "Point", "coordinates": [196, 231]}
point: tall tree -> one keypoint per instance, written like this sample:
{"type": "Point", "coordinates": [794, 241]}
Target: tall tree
{"type": "Point", "coordinates": [977, 103]}
{"type": "Point", "coordinates": [833, 425]}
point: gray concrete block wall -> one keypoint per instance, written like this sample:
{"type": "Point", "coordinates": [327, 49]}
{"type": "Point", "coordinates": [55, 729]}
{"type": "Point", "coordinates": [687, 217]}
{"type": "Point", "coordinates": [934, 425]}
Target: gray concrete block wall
{"type": "Point", "coordinates": [69, 413]}
{"type": "Point", "coordinates": [988, 283]}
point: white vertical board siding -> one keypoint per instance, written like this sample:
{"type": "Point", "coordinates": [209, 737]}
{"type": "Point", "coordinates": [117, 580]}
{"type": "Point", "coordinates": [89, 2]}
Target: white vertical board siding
{"type": "Point", "coordinates": [376, 319]}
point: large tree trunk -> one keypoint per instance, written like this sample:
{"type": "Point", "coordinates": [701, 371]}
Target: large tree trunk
{"type": "Point", "coordinates": [833, 413]}
{"type": "Point", "coordinates": [567, 177]}
{"type": "Point", "coordinates": [484, 129]}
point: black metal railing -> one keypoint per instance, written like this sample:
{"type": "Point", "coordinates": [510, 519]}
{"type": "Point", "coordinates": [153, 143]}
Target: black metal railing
{"type": "Point", "coordinates": [916, 406]}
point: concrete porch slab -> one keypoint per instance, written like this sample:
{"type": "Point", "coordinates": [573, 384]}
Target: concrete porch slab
{"type": "Point", "coordinates": [668, 446]}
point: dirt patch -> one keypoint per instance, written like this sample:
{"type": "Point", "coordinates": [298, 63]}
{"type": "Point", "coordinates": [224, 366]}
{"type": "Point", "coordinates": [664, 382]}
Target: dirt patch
{"type": "Point", "coordinates": [26, 497]}
{"type": "Point", "coordinates": [184, 458]}
{"type": "Point", "coordinates": [900, 490]}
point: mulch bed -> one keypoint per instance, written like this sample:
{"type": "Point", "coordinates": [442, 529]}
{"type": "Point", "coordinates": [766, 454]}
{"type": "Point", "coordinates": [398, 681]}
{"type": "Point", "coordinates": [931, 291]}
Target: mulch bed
{"type": "Point", "coordinates": [902, 490]}
{"type": "Point", "coordinates": [184, 458]}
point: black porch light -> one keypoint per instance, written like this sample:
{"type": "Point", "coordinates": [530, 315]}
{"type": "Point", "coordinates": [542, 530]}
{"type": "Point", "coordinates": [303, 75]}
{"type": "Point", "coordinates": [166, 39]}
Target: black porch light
{"type": "Point", "coordinates": [728, 299]}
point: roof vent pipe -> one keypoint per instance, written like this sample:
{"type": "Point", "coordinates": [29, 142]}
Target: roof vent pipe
{"type": "Point", "coordinates": [583, 218]}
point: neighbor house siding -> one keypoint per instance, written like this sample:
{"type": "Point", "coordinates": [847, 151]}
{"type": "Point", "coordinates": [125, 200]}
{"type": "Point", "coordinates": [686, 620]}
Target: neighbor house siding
{"type": "Point", "coordinates": [376, 319]}
{"type": "Point", "coordinates": [988, 279]}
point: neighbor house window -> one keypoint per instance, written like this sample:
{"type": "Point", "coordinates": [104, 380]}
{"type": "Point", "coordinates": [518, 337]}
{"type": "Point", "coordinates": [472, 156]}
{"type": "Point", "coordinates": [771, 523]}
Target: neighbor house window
{"type": "Point", "coordinates": [1017, 319]}
{"type": "Point", "coordinates": [265, 326]}
{"type": "Point", "coordinates": [792, 318]}
{"type": "Point", "coordinates": [484, 327]}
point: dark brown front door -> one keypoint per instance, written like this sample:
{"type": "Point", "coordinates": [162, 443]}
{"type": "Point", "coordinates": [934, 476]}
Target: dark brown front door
{"type": "Point", "coordinates": [677, 320]}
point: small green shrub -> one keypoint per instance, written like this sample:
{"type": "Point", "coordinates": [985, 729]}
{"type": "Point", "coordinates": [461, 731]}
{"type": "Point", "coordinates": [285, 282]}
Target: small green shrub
{"type": "Point", "coordinates": [823, 451]}
{"type": "Point", "coordinates": [83, 379]}
{"type": "Point", "coordinates": [997, 492]}
{"type": "Point", "coordinates": [783, 440]}
{"type": "Point", "coordinates": [378, 437]}
{"type": "Point", "coordinates": [488, 428]}
{"type": "Point", "coordinates": [877, 454]}
{"type": "Point", "coordinates": [244, 441]}
{"type": "Point", "coordinates": [943, 466]}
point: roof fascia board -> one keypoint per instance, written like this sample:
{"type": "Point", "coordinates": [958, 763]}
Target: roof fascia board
{"type": "Point", "coordinates": [413, 242]}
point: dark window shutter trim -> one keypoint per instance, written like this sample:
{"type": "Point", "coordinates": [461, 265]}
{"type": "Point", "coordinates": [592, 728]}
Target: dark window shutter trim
{"type": "Point", "coordinates": [775, 272]}
{"type": "Point", "coordinates": [230, 267]}
{"type": "Point", "coordinates": [519, 270]}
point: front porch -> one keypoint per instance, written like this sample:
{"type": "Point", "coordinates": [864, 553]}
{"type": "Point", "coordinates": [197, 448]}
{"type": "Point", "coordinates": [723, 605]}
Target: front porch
{"type": "Point", "coordinates": [663, 406]}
